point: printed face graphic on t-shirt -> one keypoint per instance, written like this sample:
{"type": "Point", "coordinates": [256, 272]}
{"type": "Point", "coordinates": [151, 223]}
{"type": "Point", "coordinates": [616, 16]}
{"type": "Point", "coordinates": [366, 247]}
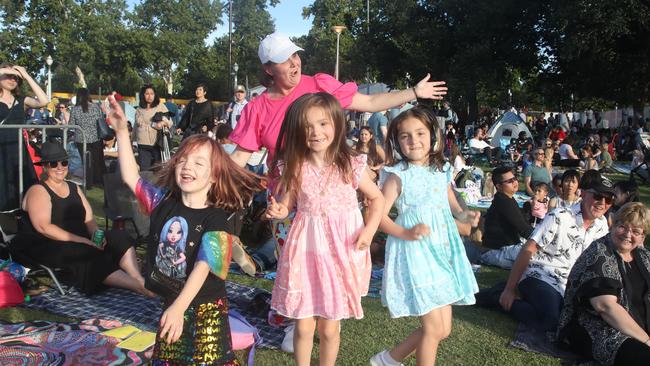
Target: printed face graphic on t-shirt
{"type": "Point", "coordinates": [170, 256]}
{"type": "Point", "coordinates": [174, 234]}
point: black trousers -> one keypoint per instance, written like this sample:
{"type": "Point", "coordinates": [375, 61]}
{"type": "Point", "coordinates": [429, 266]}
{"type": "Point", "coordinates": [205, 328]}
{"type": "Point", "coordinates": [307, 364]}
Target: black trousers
{"type": "Point", "coordinates": [148, 156]}
{"type": "Point", "coordinates": [95, 165]}
{"type": "Point", "coordinates": [632, 353]}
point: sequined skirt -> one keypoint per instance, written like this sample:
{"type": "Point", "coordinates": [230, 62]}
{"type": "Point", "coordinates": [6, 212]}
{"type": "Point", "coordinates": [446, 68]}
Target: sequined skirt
{"type": "Point", "coordinates": [205, 339]}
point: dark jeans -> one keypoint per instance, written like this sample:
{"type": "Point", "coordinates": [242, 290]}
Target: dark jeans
{"type": "Point", "coordinates": [493, 153]}
{"type": "Point", "coordinates": [632, 353]}
{"type": "Point", "coordinates": [95, 164]}
{"type": "Point", "coordinates": [148, 156]}
{"type": "Point", "coordinates": [264, 256]}
{"type": "Point", "coordinates": [540, 305]}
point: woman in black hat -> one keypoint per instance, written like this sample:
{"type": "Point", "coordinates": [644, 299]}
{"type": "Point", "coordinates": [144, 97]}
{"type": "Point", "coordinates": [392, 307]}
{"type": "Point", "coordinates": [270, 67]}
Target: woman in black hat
{"type": "Point", "coordinates": [56, 228]}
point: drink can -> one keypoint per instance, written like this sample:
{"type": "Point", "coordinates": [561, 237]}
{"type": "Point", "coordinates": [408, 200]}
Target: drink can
{"type": "Point", "coordinates": [98, 238]}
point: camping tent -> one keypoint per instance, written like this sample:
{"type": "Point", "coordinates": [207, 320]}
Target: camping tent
{"type": "Point", "coordinates": [507, 126]}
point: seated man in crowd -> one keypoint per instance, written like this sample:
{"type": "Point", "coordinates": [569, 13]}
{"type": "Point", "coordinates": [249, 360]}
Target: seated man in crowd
{"type": "Point", "coordinates": [478, 145]}
{"type": "Point", "coordinates": [505, 224]}
{"type": "Point", "coordinates": [536, 172]}
{"type": "Point", "coordinates": [542, 267]}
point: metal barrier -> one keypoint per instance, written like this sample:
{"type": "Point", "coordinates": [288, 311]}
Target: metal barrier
{"type": "Point", "coordinates": [20, 128]}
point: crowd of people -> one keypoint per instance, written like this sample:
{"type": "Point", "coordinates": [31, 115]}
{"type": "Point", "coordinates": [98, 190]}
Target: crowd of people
{"type": "Point", "coordinates": [578, 268]}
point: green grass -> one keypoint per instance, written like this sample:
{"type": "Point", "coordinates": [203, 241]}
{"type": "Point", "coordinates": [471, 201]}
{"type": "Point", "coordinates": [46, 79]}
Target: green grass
{"type": "Point", "coordinates": [479, 336]}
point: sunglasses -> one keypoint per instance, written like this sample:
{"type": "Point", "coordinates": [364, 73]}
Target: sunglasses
{"type": "Point", "coordinates": [11, 77]}
{"type": "Point", "coordinates": [509, 181]}
{"type": "Point", "coordinates": [54, 164]}
{"type": "Point", "coordinates": [599, 197]}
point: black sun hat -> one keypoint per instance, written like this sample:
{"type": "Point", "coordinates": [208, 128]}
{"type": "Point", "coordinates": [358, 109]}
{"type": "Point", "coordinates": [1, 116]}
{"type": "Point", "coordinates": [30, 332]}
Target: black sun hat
{"type": "Point", "coordinates": [52, 151]}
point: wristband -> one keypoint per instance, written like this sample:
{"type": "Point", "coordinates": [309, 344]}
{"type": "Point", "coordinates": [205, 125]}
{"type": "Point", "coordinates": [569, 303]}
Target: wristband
{"type": "Point", "coordinates": [416, 94]}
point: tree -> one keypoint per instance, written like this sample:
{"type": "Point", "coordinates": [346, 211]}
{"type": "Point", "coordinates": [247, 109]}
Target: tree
{"type": "Point", "coordinates": [600, 49]}
{"type": "Point", "coordinates": [320, 43]}
{"type": "Point", "coordinates": [176, 32]}
{"type": "Point", "coordinates": [251, 23]}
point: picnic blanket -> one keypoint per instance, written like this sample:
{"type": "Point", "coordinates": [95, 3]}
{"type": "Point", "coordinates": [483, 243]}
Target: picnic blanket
{"type": "Point", "coordinates": [127, 307]}
{"type": "Point", "coordinates": [485, 203]}
{"type": "Point", "coordinates": [49, 343]}
{"type": "Point", "coordinates": [529, 340]}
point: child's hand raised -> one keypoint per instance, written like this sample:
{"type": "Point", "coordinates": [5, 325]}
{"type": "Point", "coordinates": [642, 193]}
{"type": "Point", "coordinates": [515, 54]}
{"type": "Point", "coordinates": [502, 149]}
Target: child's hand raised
{"type": "Point", "coordinates": [417, 232]}
{"type": "Point", "coordinates": [116, 117]}
{"type": "Point", "coordinates": [276, 210]}
{"type": "Point", "coordinates": [171, 324]}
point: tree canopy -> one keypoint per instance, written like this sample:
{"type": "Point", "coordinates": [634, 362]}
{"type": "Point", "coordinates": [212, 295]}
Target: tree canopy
{"type": "Point", "coordinates": [537, 53]}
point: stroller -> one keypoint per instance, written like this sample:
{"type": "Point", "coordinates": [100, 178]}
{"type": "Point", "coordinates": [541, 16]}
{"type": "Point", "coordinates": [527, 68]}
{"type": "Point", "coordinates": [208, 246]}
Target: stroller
{"type": "Point", "coordinates": [642, 169]}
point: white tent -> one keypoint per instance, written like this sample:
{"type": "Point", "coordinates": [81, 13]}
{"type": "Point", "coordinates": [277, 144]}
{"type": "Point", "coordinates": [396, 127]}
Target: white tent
{"type": "Point", "coordinates": [506, 127]}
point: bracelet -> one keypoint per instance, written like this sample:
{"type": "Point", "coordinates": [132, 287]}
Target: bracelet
{"type": "Point", "coordinates": [416, 94]}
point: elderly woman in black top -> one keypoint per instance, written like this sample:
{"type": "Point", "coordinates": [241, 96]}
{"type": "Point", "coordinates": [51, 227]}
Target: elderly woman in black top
{"type": "Point", "coordinates": [607, 299]}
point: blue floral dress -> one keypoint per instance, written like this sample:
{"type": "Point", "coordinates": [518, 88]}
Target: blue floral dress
{"type": "Point", "coordinates": [432, 272]}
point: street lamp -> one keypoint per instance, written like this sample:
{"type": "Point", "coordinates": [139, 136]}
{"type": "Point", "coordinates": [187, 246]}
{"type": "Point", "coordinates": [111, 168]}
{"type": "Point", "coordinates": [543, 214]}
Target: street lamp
{"type": "Point", "coordinates": [338, 29]}
{"type": "Point", "coordinates": [49, 62]}
{"type": "Point", "coordinates": [235, 68]}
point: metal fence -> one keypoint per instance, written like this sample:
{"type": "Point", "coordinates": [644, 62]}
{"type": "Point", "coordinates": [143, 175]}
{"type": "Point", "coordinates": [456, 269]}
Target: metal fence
{"type": "Point", "coordinates": [19, 130]}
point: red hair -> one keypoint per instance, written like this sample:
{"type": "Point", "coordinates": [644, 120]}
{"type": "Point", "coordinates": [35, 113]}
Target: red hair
{"type": "Point", "coordinates": [233, 185]}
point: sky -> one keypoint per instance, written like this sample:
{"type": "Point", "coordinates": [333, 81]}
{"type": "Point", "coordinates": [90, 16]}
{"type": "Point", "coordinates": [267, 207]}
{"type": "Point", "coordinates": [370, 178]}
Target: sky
{"type": "Point", "coordinates": [287, 15]}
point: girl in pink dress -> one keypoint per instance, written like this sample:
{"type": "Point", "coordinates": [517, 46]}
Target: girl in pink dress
{"type": "Point", "coordinates": [324, 266]}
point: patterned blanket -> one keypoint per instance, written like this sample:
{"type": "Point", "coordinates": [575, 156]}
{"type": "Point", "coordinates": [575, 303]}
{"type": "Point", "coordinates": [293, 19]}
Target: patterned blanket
{"type": "Point", "coordinates": [529, 340]}
{"type": "Point", "coordinates": [129, 308]}
{"type": "Point", "coordinates": [61, 344]}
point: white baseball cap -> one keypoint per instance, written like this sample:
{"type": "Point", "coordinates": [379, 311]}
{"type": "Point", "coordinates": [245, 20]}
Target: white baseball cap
{"type": "Point", "coordinates": [277, 48]}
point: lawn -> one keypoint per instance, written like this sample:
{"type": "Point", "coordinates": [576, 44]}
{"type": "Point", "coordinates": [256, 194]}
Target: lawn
{"type": "Point", "coordinates": [479, 336]}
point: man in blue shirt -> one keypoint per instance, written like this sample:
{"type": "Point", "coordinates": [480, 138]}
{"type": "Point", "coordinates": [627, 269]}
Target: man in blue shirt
{"type": "Point", "coordinates": [379, 125]}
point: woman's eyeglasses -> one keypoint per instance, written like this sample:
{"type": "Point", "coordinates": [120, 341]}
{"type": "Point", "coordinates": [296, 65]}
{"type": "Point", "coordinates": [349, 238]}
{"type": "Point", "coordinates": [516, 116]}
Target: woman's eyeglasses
{"type": "Point", "coordinates": [636, 232]}
{"type": "Point", "coordinates": [54, 164]}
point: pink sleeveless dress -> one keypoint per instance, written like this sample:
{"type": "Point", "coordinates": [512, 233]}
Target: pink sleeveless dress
{"type": "Point", "coordinates": [320, 271]}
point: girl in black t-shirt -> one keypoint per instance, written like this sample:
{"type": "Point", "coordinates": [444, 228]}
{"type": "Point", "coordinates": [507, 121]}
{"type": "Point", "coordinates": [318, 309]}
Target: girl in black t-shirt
{"type": "Point", "coordinates": [189, 251]}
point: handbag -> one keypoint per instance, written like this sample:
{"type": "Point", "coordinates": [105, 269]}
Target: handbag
{"type": "Point", "coordinates": [103, 131]}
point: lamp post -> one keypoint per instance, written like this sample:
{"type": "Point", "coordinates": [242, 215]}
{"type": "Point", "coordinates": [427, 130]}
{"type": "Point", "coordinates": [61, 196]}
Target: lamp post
{"type": "Point", "coordinates": [49, 62]}
{"type": "Point", "coordinates": [235, 68]}
{"type": "Point", "coordinates": [229, 38]}
{"type": "Point", "coordinates": [338, 29]}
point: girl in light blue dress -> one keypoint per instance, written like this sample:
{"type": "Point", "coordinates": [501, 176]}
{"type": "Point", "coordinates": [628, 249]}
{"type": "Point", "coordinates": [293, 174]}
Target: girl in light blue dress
{"type": "Point", "coordinates": [426, 269]}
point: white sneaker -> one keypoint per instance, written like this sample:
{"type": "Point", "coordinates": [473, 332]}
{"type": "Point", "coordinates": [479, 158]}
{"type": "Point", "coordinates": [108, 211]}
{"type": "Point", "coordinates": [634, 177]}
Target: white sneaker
{"type": "Point", "coordinates": [383, 359]}
{"type": "Point", "coordinates": [287, 342]}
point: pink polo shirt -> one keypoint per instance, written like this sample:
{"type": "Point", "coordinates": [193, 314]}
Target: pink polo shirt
{"type": "Point", "coordinates": [261, 119]}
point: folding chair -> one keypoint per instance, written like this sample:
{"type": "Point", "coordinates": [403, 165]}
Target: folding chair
{"type": "Point", "coordinates": [120, 203]}
{"type": "Point", "coordinates": [9, 228]}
